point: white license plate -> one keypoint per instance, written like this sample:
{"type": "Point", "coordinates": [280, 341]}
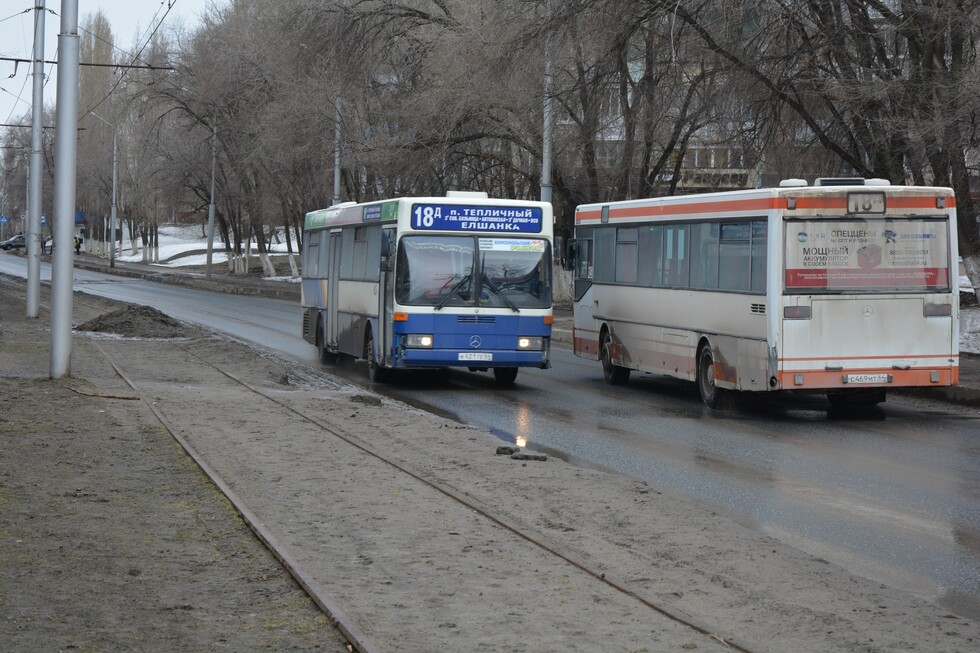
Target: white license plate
{"type": "Point", "coordinates": [867, 378]}
{"type": "Point", "coordinates": [475, 356]}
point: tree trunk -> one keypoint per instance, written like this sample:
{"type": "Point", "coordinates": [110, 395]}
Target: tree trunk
{"type": "Point", "coordinates": [972, 265]}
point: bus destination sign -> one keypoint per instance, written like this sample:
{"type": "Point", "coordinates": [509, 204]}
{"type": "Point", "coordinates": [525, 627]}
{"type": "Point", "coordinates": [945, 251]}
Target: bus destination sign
{"type": "Point", "coordinates": [458, 217]}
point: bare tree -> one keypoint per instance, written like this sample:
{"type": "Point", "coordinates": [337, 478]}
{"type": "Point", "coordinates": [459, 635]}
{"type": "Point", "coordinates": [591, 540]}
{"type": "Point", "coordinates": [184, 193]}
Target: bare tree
{"type": "Point", "coordinates": [887, 88]}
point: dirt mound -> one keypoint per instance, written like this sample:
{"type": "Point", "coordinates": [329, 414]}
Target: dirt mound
{"type": "Point", "coordinates": [137, 322]}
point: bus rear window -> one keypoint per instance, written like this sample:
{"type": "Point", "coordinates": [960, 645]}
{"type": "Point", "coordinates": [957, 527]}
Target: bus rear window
{"type": "Point", "coordinates": [867, 255]}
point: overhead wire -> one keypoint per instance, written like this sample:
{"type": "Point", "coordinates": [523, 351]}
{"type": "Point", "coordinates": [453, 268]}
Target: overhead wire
{"type": "Point", "coordinates": [136, 57]}
{"type": "Point", "coordinates": [19, 96]}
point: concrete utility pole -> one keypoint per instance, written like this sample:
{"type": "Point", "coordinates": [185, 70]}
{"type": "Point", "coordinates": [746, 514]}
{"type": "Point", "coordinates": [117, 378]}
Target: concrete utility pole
{"type": "Point", "coordinates": [214, 161]}
{"type": "Point", "coordinates": [336, 156]}
{"type": "Point", "coordinates": [34, 234]}
{"type": "Point", "coordinates": [112, 213]}
{"type": "Point", "coordinates": [65, 151]}
{"type": "Point", "coordinates": [546, 129]}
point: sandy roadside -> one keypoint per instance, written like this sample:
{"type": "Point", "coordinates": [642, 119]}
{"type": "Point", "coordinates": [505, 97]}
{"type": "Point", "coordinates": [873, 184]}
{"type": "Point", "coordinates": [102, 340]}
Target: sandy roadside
{"type": "Point", "coordinates": [417, 571]}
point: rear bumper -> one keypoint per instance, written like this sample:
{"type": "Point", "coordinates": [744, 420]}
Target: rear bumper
{"type": "Point", "coordinates": [837, 379]}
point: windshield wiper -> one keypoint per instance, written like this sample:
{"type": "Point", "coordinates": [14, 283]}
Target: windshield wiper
{"type": "Point", "coordinates": [499, 293]}
{"type": "Point", "coordinates": [454, 291]}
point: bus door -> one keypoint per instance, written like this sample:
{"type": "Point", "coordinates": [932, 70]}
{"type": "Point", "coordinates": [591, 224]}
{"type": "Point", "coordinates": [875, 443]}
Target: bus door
{"type": "Point", "coordinates": [386, 287]}
{"type": "Point", "coordinates": [585, 333]}
{"type": "Point", "coordinates": [333, 288]}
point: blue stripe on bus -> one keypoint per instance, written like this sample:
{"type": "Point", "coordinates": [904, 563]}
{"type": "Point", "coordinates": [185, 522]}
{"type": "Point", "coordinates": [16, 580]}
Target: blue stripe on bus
{"type": "Point", "coordinates": [457, 333]}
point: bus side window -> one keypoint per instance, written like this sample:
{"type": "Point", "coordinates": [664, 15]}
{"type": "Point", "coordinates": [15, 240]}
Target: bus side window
{"type": "Point", "coordinates": [372, 257]}
{"type": "Point", "coordinates": [626, 255]}
{"type": "Point", "coordinates": [734, 256]}
{"type": "Point", "coordinates": [323, 260]}
{"type": "Point", "coordinates": [704, 255]}
{"type": "Point", "coordinates": [651, 264]}
{"type": "Point", "coordinates": [311, 255]}
{"type": "Point", "coordinates": [676, 261]}
{"type": "Point", "coordinates": [602, 266]}
{"type": "Point", "coordinates": [760, 240]}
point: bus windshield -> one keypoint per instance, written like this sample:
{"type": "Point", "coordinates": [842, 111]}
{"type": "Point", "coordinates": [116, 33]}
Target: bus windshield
{"type": "Point", "coordinates": [876, 255]}
{"type": "Point", "coordinates": [490, 272]}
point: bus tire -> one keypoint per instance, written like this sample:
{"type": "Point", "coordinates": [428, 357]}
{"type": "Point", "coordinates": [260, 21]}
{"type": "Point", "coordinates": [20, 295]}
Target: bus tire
{"type": "Point", "coordinates": [323, 353]}
{"type": "Point", "coordinates": [376, 373]}
{"type": "Point", "coordinates": [711, 394]}
{"type": "Point", "coordinates": [612, 373]}
{"type": "Point", "coordinates": [504, 375]}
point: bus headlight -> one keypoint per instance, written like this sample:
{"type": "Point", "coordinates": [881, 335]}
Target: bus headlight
{"type": "Point", "coordinates": [418, 341]}
{"type": "Point", "coordinates": [526, 342]}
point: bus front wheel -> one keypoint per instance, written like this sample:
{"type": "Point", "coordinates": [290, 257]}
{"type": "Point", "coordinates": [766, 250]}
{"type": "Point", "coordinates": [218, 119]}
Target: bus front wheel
{"type": "Point", "coordinates": [614, 374]}
{"type": "Point", "coordinates": [711, 394]}
{"type": "Point", "coordinates": [376, 373]}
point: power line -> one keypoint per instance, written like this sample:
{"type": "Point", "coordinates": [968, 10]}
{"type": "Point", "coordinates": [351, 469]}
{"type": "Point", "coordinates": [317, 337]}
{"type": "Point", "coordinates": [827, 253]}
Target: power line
{"type": "Point", "coordinates": [170, 5]}
{"type": "Point", "coordinates": [97, 65]}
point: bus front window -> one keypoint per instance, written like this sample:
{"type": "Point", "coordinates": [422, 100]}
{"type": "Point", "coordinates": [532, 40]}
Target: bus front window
{"type": "Point", "coordinates": [435, 271]}
{"type": "Point", "coordinates": [516, 273]}
{"type": "Point", "coordinates": [445, 271]}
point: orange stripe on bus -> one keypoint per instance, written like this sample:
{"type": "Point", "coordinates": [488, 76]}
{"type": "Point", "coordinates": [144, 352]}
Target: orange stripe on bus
{"type": "Point", "coordinates": [820, 379]}
{"type": "Point", "coordinates": [837, 203]}
{"type": "Point", "coordinates": [661, 210]}
{"type": "Point", "coordinates": [902, 202]}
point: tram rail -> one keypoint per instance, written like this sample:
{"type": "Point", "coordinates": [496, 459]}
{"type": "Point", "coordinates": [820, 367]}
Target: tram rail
{"type": "Point", "coordinates": [359, 639]}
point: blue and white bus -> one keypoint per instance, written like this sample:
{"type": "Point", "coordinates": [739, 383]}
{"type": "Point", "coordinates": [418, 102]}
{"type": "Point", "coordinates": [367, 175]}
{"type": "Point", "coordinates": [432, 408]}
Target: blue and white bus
{"type": "Point", "coordinates": [430, 282]}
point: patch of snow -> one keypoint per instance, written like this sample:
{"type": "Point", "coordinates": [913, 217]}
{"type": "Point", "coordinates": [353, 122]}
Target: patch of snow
{"type": "Point", "coordinates": [970, 329]}
{"type": "Point", "coordinates": [176, 240]}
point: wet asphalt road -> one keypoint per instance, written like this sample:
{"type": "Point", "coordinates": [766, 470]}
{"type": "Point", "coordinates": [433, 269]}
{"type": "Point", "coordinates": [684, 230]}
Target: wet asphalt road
{"type": "Point", "coordinates": [892, 494]}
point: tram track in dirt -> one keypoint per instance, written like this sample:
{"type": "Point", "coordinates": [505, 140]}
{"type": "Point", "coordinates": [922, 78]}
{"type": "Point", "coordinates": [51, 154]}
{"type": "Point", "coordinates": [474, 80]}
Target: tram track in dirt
{"type": "Point", "coordinates": [358, 638]}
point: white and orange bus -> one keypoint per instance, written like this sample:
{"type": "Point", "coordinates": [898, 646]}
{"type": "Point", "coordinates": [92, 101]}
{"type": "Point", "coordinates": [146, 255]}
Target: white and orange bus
{"type": "Point", "coordinates": [846, 287]}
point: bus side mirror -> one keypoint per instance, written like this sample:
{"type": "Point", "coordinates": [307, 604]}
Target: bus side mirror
{"type": "Point", "coordinates": [568, 259]}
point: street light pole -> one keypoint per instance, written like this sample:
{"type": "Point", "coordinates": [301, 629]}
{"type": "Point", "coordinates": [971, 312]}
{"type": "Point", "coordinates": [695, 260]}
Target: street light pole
{"type": "Point", "coordinates": [62, 261]}
{"type": "Point", "coordinates": [214, 160]}
{"type": "Point", "coordinates": [34, 235]}
{"type": "Point", "coordinates": [112, 212]}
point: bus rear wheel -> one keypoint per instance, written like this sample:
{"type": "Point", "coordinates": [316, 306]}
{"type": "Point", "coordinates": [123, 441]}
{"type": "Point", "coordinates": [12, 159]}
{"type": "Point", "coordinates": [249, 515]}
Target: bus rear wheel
{"type": "Point", "coordinates": [504, 375]}
{"type": "Point", "coordinates": [614, 374]}
{"type": "Point", "coordinates": [711, 394]}
{"type": "Point", "coordinates": [376, 373]}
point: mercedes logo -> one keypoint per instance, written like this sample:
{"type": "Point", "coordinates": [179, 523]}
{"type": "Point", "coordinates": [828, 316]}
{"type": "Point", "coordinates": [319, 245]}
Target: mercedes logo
{"type": "Point", "coordinates": [868, 311]}
{"type": "Point", "coordinates": [475, 342]}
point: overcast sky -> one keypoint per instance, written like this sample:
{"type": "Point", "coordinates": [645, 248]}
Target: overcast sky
{"type": "Point", "coordinates": [131, 20]}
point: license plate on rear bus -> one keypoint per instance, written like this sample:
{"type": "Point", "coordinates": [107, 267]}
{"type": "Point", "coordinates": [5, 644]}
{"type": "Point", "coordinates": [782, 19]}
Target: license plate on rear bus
{"type": "Point", "coordinates": [866, 378]}
{"type": "Point", "coordinates": [475, 356]}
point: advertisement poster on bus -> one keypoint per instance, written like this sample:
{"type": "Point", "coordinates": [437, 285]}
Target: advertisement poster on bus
{"type": "Point", "coordinates": [876, 255]}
